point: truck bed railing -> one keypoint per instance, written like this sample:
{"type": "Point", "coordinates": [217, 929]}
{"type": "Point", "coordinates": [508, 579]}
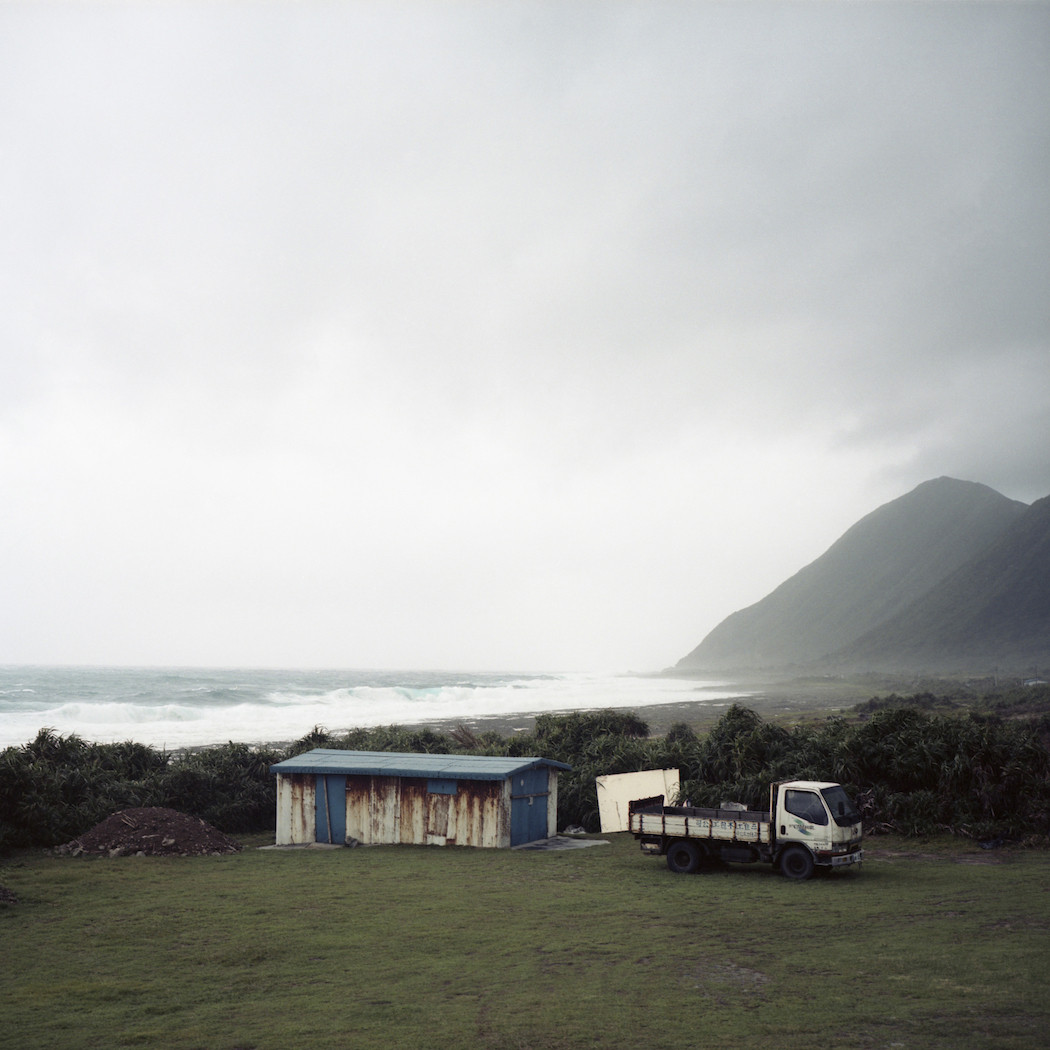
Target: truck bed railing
{"type": "Point", "coordinates": [656, 805]}
{"type": "Point", "coordinates": [649, 817]}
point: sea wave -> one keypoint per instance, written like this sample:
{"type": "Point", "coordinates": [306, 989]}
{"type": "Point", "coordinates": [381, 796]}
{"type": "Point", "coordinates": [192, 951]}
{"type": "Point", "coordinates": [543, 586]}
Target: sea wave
{"type": "Point", "coordinates": [186, 708]}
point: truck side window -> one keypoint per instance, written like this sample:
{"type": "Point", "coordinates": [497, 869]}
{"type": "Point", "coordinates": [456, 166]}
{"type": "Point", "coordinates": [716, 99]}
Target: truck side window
{"type": "Point", "coordinates": [806, 805]}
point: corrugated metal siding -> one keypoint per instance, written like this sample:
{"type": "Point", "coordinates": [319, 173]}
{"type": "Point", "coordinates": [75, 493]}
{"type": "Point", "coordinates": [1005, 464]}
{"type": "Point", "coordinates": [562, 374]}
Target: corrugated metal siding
{"type": "Point", "coordinates": [373, 808]}
{"type": "Point", "coordinates": [479, 815]}
{"type": "Point", "coordinates": [552, 803]}
{"type": "Point", "coordinates": [413, 801]}
{"type": "Point", "coordinates": [296, 809]}
{"type": "Point", "coordinates": [384, 823]}
{"type": "Point", "coordinates": [440, 832]}
{"type": "Point", "coordinates": [401, 810]}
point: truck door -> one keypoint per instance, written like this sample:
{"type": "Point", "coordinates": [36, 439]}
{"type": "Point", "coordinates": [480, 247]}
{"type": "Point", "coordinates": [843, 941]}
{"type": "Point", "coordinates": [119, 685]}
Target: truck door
{"type": "Point", "coordinates": [803, 817]}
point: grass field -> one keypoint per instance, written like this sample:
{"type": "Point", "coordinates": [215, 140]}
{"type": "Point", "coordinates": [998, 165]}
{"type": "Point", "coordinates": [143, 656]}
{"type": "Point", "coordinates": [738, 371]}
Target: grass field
{"type": "Point", "coordinates": [931, 945]}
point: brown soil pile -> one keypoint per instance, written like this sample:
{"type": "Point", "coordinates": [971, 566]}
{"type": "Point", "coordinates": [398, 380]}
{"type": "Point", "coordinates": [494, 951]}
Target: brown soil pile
{"type": "Point", "coordinates": [151, 832]}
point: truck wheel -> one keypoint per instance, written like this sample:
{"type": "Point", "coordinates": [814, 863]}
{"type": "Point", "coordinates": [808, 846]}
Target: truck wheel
{"type": "Point", "coordinates": [683, 857]}
{"type": "Point", "coordinates": [796, 862]}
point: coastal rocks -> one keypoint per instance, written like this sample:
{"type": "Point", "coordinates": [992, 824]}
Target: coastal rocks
{"type": "Point", "coordinates": [151, 832]}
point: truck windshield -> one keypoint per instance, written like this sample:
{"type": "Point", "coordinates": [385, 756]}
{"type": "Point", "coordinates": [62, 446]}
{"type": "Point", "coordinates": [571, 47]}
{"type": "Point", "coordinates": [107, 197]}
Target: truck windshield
{"type": "Point", "coordinates": [843, 812]}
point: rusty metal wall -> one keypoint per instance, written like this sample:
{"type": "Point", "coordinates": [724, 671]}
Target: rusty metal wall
{"type": "Point", "coordinates": [401, 810]}
{"type": "Point", "coordinates": [392, 810]}
{"type": "Point", "coordinates": [384, 819]}
{"type": "Point", "coordinates": [296, 809]}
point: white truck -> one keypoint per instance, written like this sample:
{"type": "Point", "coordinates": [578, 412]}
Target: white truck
{"type": "Point", "coordinates": [810, 824]}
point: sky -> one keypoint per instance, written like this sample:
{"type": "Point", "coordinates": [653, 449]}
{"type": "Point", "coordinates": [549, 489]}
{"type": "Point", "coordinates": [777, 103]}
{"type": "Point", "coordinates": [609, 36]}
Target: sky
{"type": "Point", "coordinates": [516, 336]}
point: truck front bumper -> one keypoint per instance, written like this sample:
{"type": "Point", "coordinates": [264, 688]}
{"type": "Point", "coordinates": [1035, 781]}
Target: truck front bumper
{"type": "Point", "coordinates": [843, 859]}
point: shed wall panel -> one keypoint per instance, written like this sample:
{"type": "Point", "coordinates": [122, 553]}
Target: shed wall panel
{"type": "Point", "coordinates": [386, 810]}
{"type": "Point", "coordinates": [441, 821]}
{"type": "Point", "coordinates": [470, 816]}
{"type": "Point", "coordinates": [504, 816]}
{"type": "Point", "coordinates": [358, 808]}
{"type": "Point", "coordinates": [476, 815]}
{"type": "Point", "coordinates": [413, 810]}
{"type": "Point", "coordinates": [296, 809]}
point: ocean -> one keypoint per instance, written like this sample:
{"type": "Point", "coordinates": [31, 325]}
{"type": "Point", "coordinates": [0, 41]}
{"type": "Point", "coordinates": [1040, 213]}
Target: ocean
{"type": "Point", "coordinates": [172, 708]}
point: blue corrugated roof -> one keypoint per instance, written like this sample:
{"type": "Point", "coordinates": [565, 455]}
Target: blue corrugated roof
{"type": "Point", "coordinates": [398, 764]}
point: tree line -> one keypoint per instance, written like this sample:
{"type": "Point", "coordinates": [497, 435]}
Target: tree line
{"type": "Point", "coordinates": [982, 773]}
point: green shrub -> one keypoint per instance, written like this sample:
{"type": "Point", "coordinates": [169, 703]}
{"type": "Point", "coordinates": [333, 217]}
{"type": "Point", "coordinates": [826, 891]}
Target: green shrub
{"type": "Point", "coordinates": [910, 770]}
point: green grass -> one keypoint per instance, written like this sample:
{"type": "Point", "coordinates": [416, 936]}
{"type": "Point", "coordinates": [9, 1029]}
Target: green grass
{"type": "Point", "coordinates": [409, 947]}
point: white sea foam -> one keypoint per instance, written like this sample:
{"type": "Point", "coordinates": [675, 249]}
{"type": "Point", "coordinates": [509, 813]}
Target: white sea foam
{"type": "Point", "coordinates": [189, 708]}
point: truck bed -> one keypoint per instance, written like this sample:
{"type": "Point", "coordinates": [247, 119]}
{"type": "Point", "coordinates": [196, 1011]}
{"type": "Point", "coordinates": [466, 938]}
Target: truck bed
{"type": "Point", "coordinates": [651, 817]}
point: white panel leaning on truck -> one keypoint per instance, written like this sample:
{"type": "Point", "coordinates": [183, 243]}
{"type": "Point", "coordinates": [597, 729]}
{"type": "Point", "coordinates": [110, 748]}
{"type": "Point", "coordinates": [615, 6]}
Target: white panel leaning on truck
{"type": "Point", "coordinates": [616, 790]}
{"type": "Point", "coordinates": [810, 824]}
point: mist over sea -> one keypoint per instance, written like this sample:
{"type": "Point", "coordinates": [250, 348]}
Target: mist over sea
{"type": "Point", "coordinates": [184, 707]}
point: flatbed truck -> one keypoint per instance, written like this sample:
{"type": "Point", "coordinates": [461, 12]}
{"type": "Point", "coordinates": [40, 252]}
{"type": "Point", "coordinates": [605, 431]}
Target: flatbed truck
{"type": "Point", "coordinates": [809, 825]}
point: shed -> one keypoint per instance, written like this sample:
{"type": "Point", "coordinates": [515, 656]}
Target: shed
{"type": "Point", "coordinates": [388, 797]}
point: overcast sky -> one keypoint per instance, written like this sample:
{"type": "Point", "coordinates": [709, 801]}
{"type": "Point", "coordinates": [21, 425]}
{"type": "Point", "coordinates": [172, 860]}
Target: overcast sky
{"type": "Point", "coordinates": [533, 336]}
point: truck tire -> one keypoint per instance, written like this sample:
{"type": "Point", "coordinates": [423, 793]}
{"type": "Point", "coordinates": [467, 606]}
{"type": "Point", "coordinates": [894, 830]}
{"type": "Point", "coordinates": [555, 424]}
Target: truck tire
{"type": "Point", "coordinates": [683, 857]}
{"type": "Point", "coordinates": [796, 862]}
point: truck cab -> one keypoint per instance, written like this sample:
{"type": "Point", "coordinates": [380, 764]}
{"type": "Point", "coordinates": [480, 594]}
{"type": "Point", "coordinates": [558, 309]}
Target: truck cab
{"type": "Point", "coordinates": [815, 823]}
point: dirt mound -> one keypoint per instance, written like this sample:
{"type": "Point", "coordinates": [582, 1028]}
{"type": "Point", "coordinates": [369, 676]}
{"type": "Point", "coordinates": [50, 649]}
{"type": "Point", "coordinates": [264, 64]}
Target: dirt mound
{"type": "Point", "coordinates": [151, 832]}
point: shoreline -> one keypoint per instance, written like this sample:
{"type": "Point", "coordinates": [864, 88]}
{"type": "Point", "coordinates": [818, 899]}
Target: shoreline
{"type": "Point", "coordinates": [772, 700]}
{"type": "Point", "coordinates": [782, 699]}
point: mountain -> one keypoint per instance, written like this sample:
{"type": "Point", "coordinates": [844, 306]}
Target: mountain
{"type": "Point", "coordinates": [992, 611]}
{"type": "Point", "coordinates": [870, 576]}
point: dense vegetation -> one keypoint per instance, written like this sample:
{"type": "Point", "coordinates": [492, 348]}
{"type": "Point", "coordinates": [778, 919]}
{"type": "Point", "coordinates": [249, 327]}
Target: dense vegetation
{"type": "Point", "coordinates": [916, 765]}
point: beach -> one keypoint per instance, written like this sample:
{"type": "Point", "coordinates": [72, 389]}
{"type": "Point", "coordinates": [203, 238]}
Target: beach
{"type": "Point", "coordinates": [774, 698]}
{"type": "Point", "coordinates": [177, 708]}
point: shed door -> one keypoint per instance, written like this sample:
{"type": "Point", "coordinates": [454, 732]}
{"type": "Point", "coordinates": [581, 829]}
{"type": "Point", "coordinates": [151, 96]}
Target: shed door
{"type": "Point", "coordinates": [331, 808]}
{"type": "Point", "coordinates": [528, 805]}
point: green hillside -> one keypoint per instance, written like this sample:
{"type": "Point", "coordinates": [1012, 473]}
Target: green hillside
{"type": "Point", "coordinates": [874, 573]}
{"type": "Point", "coordinates": [992, 611]}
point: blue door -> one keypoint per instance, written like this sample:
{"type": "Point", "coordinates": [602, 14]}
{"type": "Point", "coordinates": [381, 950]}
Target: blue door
{"type": "Point", "coordinates": [331, 808]}
{"type": "Point", "coordinates": [529, 792]}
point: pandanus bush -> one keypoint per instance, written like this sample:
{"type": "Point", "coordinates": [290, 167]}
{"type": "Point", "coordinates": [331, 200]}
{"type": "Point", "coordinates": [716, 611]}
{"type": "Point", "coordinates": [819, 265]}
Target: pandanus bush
{"type": "Point", "coordinates": [910, 770]}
